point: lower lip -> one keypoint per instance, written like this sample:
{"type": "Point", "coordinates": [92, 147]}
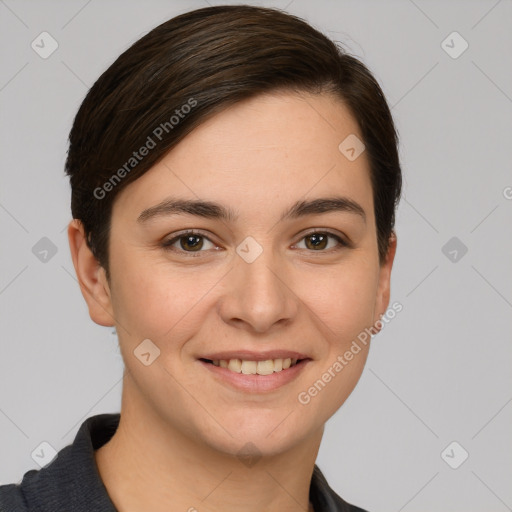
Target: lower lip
{"type": "Point", "coordinates": [256, 383]}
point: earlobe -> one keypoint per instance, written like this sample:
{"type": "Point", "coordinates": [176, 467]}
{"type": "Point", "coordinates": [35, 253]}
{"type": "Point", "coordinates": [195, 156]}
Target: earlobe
{"type": "Point", "coordinates": [91, 276]}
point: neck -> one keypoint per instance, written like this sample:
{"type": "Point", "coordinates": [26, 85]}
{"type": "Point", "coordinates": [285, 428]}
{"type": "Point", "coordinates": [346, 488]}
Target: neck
{"type": "Point", "coordinates": [151, 465]}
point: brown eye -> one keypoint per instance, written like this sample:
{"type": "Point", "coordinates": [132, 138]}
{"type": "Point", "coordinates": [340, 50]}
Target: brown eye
{"type": "Point", "coordinates": [316, 241]}
{"type": "Point", "coordinates": [191, 242]}
{"type": "Point", "coordinates": [188, 243]}
{"type": "Point", "coordinates": [320, 240]}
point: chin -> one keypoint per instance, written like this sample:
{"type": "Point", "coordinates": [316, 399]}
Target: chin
{"type": "Point", "coordinates": [268, 434]}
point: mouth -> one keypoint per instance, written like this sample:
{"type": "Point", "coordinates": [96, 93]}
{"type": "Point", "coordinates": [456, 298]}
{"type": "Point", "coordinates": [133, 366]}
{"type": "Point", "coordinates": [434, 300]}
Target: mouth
{"type": "Point", "coordinates": [251, 372]}
{"type": "Point", "coordinates": [251, 367]}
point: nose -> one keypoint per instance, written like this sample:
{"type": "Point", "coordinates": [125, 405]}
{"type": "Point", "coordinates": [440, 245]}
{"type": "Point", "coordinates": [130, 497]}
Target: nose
{"type": "Point", "coordinates": [258, 297]}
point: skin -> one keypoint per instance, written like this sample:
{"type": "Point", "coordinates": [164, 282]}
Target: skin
{"type": "Point", "coordinates": [180, 427]}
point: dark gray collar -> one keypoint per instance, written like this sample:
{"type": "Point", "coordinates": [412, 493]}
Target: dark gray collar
{"type": "Point", "coordinates": [71, 482]}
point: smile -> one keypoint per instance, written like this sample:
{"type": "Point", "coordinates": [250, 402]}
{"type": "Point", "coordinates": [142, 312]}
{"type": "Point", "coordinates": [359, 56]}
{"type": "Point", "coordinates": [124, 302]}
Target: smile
{"type": "Point", "coordinates": [247, 367]}
{"type": "Point", "coordinates": [251, 376]}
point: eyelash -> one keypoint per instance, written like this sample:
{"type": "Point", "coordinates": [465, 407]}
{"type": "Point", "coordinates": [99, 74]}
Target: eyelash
{"type": "Point", "coordinates": [167, 245]}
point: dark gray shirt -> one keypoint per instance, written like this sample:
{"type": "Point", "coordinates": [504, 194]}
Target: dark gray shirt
{"type": "Point", "coordinates": [72, 483]}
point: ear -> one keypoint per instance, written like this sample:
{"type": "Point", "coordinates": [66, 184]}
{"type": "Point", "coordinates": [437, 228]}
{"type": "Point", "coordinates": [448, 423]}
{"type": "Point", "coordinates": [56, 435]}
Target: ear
{"type": "Point", "coordinates": [91, 276]}
{"type": "Point", "coordinates": [384, 286]}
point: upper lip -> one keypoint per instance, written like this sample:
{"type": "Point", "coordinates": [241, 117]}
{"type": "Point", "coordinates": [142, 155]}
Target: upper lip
{"type": "Point", "coordinates": [248, 355]}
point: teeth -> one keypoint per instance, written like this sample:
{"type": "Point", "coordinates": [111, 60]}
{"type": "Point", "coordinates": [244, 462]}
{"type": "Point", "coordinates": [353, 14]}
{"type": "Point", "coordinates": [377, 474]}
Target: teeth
{"type": "Point", "coordinates": [235, 365]}
{"type": "Point", "coordinates": [267, 367]}
{"type": "Point", "coordinates": [249, 367]}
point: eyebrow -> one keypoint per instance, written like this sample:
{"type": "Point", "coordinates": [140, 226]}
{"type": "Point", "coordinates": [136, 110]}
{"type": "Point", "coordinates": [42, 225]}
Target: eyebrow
{"type": "Point", "coordinates": [212, 210]}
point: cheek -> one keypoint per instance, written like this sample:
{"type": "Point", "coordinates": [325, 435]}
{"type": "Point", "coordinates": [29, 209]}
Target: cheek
{"type": "Point", "coordinates": [343, 308]}
{"type": "Point", "coordinates": [320, 398]}
{"type": "Point", "coordinates": [157, 300]}
{"type": "Point", "coordinates": [343, 304]}
{"type": "Point", "coordinates": [343, 298]}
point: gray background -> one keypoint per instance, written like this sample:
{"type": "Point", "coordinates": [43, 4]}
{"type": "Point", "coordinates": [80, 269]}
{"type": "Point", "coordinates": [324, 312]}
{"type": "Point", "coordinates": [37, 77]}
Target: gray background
{"type": "Point", "coordinates": [439, 372]}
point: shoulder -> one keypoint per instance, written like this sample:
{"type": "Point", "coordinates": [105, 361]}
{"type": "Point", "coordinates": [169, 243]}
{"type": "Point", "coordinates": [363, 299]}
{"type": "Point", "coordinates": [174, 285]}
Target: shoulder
{"type": "Point", "coordinates": [38, 487]}
{"type": "Point", "coordinates": [324, 498]}
{"type": "Point", "coordinates": [12, 499]}
{"type": "Point", "coordinates": [70, 481]}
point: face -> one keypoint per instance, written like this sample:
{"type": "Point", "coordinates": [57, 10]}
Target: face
{"type": "Point", "coordinates": [273, 261]}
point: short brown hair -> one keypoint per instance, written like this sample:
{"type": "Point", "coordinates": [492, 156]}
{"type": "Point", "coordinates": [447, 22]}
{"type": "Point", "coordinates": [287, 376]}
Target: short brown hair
{"type": "Point", "coordinates": [207, 60]}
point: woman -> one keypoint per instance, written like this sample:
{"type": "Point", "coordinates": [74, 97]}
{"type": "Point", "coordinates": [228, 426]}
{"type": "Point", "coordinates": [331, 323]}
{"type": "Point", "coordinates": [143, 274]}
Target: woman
{"type": "Point", "coordinates": [234, 182]}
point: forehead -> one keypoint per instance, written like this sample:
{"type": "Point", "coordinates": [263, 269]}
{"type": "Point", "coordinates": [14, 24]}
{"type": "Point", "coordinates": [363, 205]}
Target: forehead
{"type": "Point", "coordinates": [269, 149]}
{"type": "Point", "coordinates": [271, 128]}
